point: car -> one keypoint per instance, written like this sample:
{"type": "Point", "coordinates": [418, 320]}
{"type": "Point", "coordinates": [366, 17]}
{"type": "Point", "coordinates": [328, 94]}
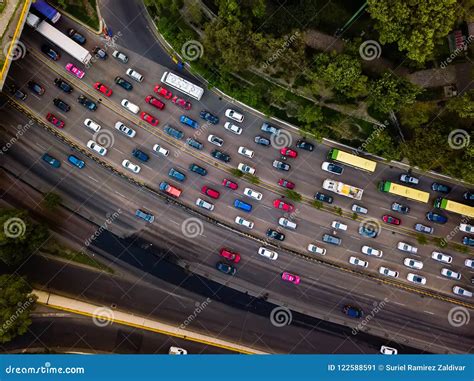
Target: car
{"type": "Point", "coordinates": [253, 194]}
{"type": "Point", "coordinates": [219, 155]}
{"type": "Point", "coordinates": [387, 218]}
{"type": "Point", "coordinates": [149, 118]}
{"type": "Point", "coordinates": [51, 160]}
{"type": "Point", "coordinates": [286, 223]}
{"type": "Point", "coordinates": [177, 175]}
{"type": "Point", "coordinates": [286, 184]}
{"type": "Point", "coordinates": [469, 262]}
{"type": "Point", "coordinates": [188, 121]}
{"type": "Point", "coordinates": [36, 88]}
{"type": "Point", "coordinates": [204, 204]}
{"type": "Point", "coordinates": [367, 250]}
{"type": "Point", "coordinates": [288, 277]}
{"type": "Point", "coordinates": [50, 52]}
{"type": "Point", "coordinates": [368, 230]}
{"type": "Point", "coordinates": [242, 205]}
{"type": "Point", "coordinates": [63, 85]}
{"type": "Point", "coordinates": [262, 141]}
{"type": "Point", "coordinates": [266, 127]}
{"type": "Point", "coordinates": [305, 145]}
{"type": "Point", "coordinates": [225, 268]}
{"type": "Point", "coordinates": [462, 292]}
{"type": "Point", "coordinates": [177, 134]}
{"type": "Point", "coordinates": [270, 254]}
{"type": "Point", "coordinates": [415, 278]}
{"type": "Point", "coordinates": [423, 228]}
{"type": "Point", "coordinates": [140, 155]}
{"type": "Point", "coordinates": [148, 217]}
{"type": "Point", "coordinates": [441, 257]}
{"type": "Point", "coordinates": [242, 221]}
{"type": "Point", "coordinates": [397, 207]}
{"type": "Point", "coordinates": [402, 246]}
{"type": "Point", "coordinates": [352, 311]}
{"type": "Point", "coordinates": [388, 350]}
{"type": "Point", "coordinates": [197, 169]}
{"type": "Point", "coordinates": [408, 179]}
{"type": "Point", "coordinates": [280, 165]}
{"type": "Point", "coordinates": [413, 263]}
{"type": "Point", "coordinates": [127, 164]}
{"type": "Point", "coordinates": [285, 206]}
{"type": "Point", "coordinates": [332, 239]}
{"type": "Point", "coordinates": [323, 197]}
{"type": "Point", "coordinates": [230, 184]}
{"type": "Point", "coordinates": [448, 273]}
{"type": "Point", "coordinates": [211, 118]}
{"type": "Point", "coordinates": [312, 248]}
{"type": "Point", "coordinates": [358, 262]}
{"type": "Point", "coordinates": [127, 131]}
{"type": "Point", "coordinates": [54, 120]}
{"type": "Point", "coordinates": [100, 53]}
{"type": "Point", "coordinates": [180, 102]}
{"type": "Point", "coordinates": [163, 91]}
{"type": "Point", "coordinates": [122, 57]}
{"type": "Point", "coordinates": [246, 168]}
{"type": "Point", "coordinates": [338, 225]}
{"type": "Point", "coordinates": [103, 89]}
{"type": "Point", "coordinates": [469, 196]}
{"type": "Point", "coordinates": [215, 140]}
{"type": "Point", "coordinates": [210, 192]}
{"type": "Point", "coordinates": [17, 93]}
{"type": "Point", "coordinates": [234, 115]}
{"type": "Point", "coordinates": [60, 104]}
{"type": "Point", "coordinates": [442, 188]}
{"type": "Point", "coordinates": [194, 143]}
{"type": "Point", "coordinates": [75, 70]}
{"type": "Point", "coordinates": [273, 234]}
{"type": "Point", "coordinates": [332, 168]}
{"type": "Point", "coordinates": [466, 228]}
{"type": "Point", "coordinates": [76, 161]}
{"type": "Point", "coordinates": [123, 83]}
{"type": "Point", "coordinates": [97, 148]}
{"type": "Point", "coordinates": [468, 241]}
{"type": "Point", "coordinates": [132, 107]}
{"type": "Point", "coordinates": [159, 149]}
{"type": "Point", "coordinates": [229, 255]}
{"type": "Point", "coordinates": [74, 35]}
{"type": "Point", "coordinates": [387, 272]}
{"type": "Point", "coordinates": [359, 209]}
{"type": "Point", "coordinates": [286, 151]}
{"type": "Point", "coordinates": [436, 217]}
{"type": "Point", "coordinates": [155, 102]}
{"type": "Point", "coordinates": [135, 75]}
{"type": "Point", "coordinates": [232, 128]}
{"type": "Point", "coordinates": [92, 125]}
{"type": "Point", "coordinates": [245, 152]}
{"type": "Point", "coordinates": [87, 103]}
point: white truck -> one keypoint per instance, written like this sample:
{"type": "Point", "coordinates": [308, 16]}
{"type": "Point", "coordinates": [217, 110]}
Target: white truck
{"type": "Point", "coordinates": [59, 39]}
{"type": "Point", "coordinates": [343, 189]}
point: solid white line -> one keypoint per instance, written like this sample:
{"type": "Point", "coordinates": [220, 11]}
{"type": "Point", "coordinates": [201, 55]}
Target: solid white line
{"type": "Point", "coordinates": [120, 194]}
{"type": "Point", "coordinates": [40, 146]}
{"type": "Point", "coordinates": [429, 312]}
{"type": "Point", "coordinates": [174, 222]}
{"type": "Point", "coordinates": [90, 177]}
{"type": "Point", "coordinates": [411, 217]}
{"type": "Point", "coordinates": [119, 151]}
{"type": "Point", "coordinates": [400, 304]}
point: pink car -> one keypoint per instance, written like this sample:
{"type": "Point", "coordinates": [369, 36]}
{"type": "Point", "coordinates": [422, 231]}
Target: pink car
{"type": "Point", "coordinates": [75, 70]}
{"type": "Point", "coordinates": [287, 277]}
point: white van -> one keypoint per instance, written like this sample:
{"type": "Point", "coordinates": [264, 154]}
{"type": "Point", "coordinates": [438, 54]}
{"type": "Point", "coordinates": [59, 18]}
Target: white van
{"type": "Point", "coordinates": [286, 223]}
{"type": "Point", "coordinates": [89, 123]}
{"type": "Point", "coordinates": [134, 75]}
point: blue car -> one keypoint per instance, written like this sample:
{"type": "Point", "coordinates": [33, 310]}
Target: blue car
{"type": "Point", "coordinates": [225, 268]}
{"type": "Point", "coordinates": [188, 121]}
{"type": "Point", "coordinates": [332, 240]}
{"type": "Point", "coordinates": [211, 118]}
{"type": "Point", "coordinates": [76, 161]}
{"type": "Point", "coordinates": [353, 312]}
{"type": "Point", "coordinates": [197, 169]}
{"type": "Point", "coordinates": [468, 241]}
{"type": "Point", "coordinates": [194, 143]}
{"type": "Point", "coordinates": [438, 187]}
{"type": "Point", "coordinates": [176, 175]}
{"type": "Point", "coordinates": [148, 217]}
{"type": "Point", "coordinates": [436, 217]}
{"type": "Point", "coordinates": [239, 204]}
{"type": "Point", "coordinates": [140, 155]}
{"type": "Point", "coordinates": [177, 134]}
{"type": "Point", "coordinates": [51, 160]}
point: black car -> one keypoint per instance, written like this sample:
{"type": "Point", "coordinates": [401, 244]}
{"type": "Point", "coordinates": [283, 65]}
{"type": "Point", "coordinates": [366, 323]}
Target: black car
{"type": "Point", "coordinates": [61, 105]}
{"type": "Point", "coordinates": [100, 53]}
{"type": "Point", "coordinates": [50, 52]}
{"type": "Point", "coordinates": [262, 141]}
{"type": "Point", "coordinates": [17, 93]}
{"type": "Point", "coordinates": [36, 88]}
{"type": "Point", "coordinates": [79, 38]}
{"type": "Point", "coordinates": [281, 166]}
{"type": "Point", "coordinates": [220, 155]}
{"type": "Point", "coordinates": [437, 187]}
{"type": "Point", "coordinates": [123, 83]}
{"type": "Point", "coordinates": [275, 235]}
{"type": "Point", "coordinates": [323, 197]}
{"type": "Point", "coordinates": [63, 85]}
{"type": "Point", "coordinates": [87, 103]}
{"type": "Point", "coordinates": [397, 207]}
{"type": "Point", "coordinates": [304, 145]}
{"type": "Point", "coordinates": [211, 118]}
{"type": "Point", "coordinates": [140, 155]}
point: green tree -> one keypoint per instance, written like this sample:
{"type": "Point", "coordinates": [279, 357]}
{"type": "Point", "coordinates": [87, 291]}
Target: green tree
{"type": "Point", "coordinates": [293, 195]}
{"type": "Point", "coordinates": [51, 201]}
{"type": "Point", "coordinates": [316, 204]}
{"type": "Point", "coordinates": [421, 239]}
{"type": "Point", "coordinates": [193, 11]}
{"type": "Point", "coordinates": [236, 172]}
{"type": "Point", "coordinates": [309, 114]}
{"type": "Point", "coordinates": [382, 144]}
{"type": "Point", "coordinates": [462, 105]}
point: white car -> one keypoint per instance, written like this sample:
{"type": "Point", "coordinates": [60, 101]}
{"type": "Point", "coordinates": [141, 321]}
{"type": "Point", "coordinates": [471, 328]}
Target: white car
{"type": "Point", "coordinates": [132, 107]}
{"type": "Point", "coordinates": [462, 291]}
{"type": "Point", "coordinates": [388, 350]}
{"type": "Point", "coordinates": [242, 221]}
{"type": "Point", "coordinates": [232, 128]}
{"type": "Point", "coordinates": [216, 140]}
{"type": "Point", "coordinates": [204, 204]}
{"type": "Point", "coordinates": [120, 56]}
{"type": "Point", "coordinates": [270, 254]}
{"type": "Point", "coordinates": [177, 351]}
{"type": "Point", "coordinates": [130, 166]}
{"type": "Point", "coordinates": [406, 247]}
{"type": "Point", "coordinates": [413, 263]}
{"type": "Point", "coordinates": [316, 249]}
{"type": "Point", "coordinates": [127, 131]}
{"type": "Point", "coordinates": [387, 272]}
{"type": "Point", "coordinates": [415, 278]}
{"type": "Point", "coordinates": [232, 114]}
{"type": "Point", "coordinates": [371, 251]}
{"type": "Point", "coordinates": [245, 152]}
{"type": "Point", "coordinates": [466, 228]}
{"type": "Point", "coordinates": [450, 273]}
{"type": "Point", "coordinates": [134, 75]}
{"type": "Point", "coordinates": [159, 149]}
{"type": "Point", "coordinates": [246, 168]}
{"type": "Point", "coordinates": [469, 263]}
{"type": "Point", "coordinates": [94, 126]}
{"type": "Point", "coordinates": [253, 194]}
{"type": "Point", "coordinates": [359, 209]}
{"type": "Point", "coordinates": [441, 257]}
{"type": "Point", "coordinates": [286, 223]}
{"type": "Point", "coordinates": [339, 225]}
{"type": "Point", "coordinates": [97, 148]}
{"type": "Point", "coordinates": [358, 262]}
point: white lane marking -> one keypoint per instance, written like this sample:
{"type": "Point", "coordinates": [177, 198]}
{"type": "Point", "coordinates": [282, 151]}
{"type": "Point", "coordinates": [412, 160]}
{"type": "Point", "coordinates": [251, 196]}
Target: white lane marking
{"type": "Point", "coordinates": [40, 146]}
{"type": "Point", "coordinates": [370, 295]}
{"type": "Point", "coordinates": [400, 304]}
{"type": "Point", "coordinates": [429, 312]}
{"type": "Point", "coordinates": [354, 237]}
{"type": "Point", "coordinates": [353, 251]}
{"type": "Point", "coordinates": [411, 217]}
{"type": "Point", "coordinates": [120, 194]}
{"type": "Point", "coordinates": [90, 177]}
{"type": "Point", "coordinates": [386, 209]}
{"type": "Point", "coordinates": [119, 151]}
{"type": "Point", "coordinates": [174, 222]}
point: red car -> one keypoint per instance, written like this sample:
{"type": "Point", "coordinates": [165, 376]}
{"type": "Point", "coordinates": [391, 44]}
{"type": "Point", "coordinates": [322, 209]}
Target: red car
{"type": "Point", "coordinates": [286, 184]}
{"type": "Point", "coordinates": [287, 277]}
{"type": "Point", "coordinates": [180, 102]}
{"type": "Point", "coordinates": [155, 102]}
{"type": "Point", "coordinates": [390, 219]}
{"type": "Point", "coordinates": [280, 204]}
{"type": "Point", "coordinates": [165, 93]}
{"type": "Point", "coordinates": [149, 118]}
{"type": "Point", "coordinates": [52, 118]}
{"type": "Point", "coordinates": [230, 255]}
{"type": "Point", "coordinates": [288, 152]}
{"type": "Point", "coordinates": [210, 192]}
{"type": "Point", "coordinates": [103, 89]}
{"type": "Point", "coordinates": [229, 184]}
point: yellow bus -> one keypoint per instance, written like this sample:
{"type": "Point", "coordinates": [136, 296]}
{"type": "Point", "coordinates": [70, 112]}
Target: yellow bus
{"type": "Point", "coordinates": [403, 191]}
{"type": "Point", "coordinates": [352, 160]}
{"type": "Point", "coordinates": [455, 207]}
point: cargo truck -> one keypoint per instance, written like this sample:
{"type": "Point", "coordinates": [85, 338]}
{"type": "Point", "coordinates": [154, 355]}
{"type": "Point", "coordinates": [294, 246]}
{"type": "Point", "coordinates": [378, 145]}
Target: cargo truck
{"type": "Point", "coordinates": [343, 189]}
